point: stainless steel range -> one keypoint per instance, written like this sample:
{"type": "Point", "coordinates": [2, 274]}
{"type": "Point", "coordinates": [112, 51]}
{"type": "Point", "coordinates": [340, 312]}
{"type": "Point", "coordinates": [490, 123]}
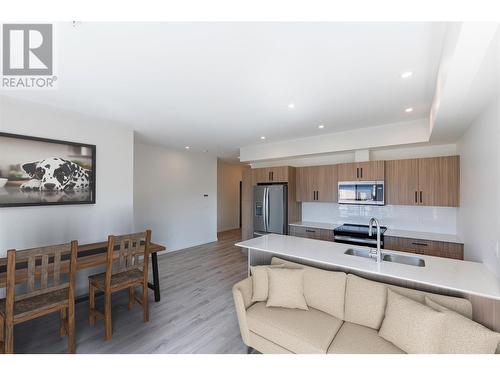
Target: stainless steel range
{"type": "Point", "coordinates": [357, 234]}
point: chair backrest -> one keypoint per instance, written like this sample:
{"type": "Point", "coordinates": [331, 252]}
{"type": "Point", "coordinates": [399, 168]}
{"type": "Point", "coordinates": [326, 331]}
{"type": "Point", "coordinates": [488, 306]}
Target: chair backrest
{"type": "Point", "coordinates": [124, 253]}
{"type": "Point", "coordinates": [41, 270]}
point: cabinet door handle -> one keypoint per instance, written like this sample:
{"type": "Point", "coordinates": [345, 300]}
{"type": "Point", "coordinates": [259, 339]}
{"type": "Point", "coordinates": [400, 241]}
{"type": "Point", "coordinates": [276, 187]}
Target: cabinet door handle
{"type": "Point", "coordinates": [357, 172]}
{"type": "Point", "coordinates": [361, 172]}
{"type": "Point", "coordinates": [421, 196]}
{"type": "Point", "coordinates": [419, 244]}
{"type": "Point", "coordinates": [317, 195]}
{"type": "Point", "coordinates": [416, 199]}
{"type": "Point", "coordinates": [310, 231]}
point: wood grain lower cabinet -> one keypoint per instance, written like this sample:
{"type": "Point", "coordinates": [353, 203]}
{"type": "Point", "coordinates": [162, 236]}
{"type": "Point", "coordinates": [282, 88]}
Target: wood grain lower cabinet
{"type": "Point", "coordinates": [308, 232]}
{"type": "Point", "coordinates": [425, 247]}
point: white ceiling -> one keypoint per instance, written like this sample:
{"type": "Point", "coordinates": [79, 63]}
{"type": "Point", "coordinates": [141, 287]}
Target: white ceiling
{"type": "Point", "coordinates": [220, 86]}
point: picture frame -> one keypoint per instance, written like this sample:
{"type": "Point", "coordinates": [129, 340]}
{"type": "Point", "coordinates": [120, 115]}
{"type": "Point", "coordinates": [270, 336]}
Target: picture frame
{"type": "Point", "coordinates": [36, 171]}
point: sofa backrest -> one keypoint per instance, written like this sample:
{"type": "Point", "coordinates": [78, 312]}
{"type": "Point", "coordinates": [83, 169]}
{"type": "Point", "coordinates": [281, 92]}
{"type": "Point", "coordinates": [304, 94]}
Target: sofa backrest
{"type": "Point", "coordinates": [358, 300]}
{"type": "Point", "coordinates": [365, 301]}
{"type": "Point", "coordinates": [323, 290]}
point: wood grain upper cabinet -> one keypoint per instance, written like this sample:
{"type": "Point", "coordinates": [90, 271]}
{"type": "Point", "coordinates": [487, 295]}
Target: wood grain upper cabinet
{"type": "Point", "coordinates": [371, 170]}
{"type": "Point", "coordinates": [273, 174]}
{"type": "Point", "coordinates": [348, 171]}
{"type": "Point", "coordinates": [318, 184]}
{"type": "Point", "coordinates": [425, 182]}
{"type": "Point", "coordinates": [401, 182]}
{"type": "Point", "coordinates": [304, 184]}
{"type": "Point", "coordinates": [326, 183]}
{"type": "Point", "coordinates": [362, 171]}
{"type": "Point", "coordinates": [439, 181]}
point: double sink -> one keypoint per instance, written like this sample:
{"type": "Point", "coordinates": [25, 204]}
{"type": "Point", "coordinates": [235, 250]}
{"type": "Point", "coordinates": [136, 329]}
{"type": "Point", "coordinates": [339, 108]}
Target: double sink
{"type": "Point", "coordinates": [396, 258]}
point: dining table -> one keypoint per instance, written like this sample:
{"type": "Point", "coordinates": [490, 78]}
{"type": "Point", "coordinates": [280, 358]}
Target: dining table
{"type": "Point", "coordinates": [89, 255]}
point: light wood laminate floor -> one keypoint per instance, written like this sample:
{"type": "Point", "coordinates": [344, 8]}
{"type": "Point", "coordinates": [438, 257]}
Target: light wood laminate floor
{"type": "Point", "coordinates": [195, 315]}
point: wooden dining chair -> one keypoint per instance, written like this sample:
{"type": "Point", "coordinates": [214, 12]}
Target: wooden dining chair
{"type": "Point", "coordinates": [49, 274]}
{"type": "Point", "coordinates": [124, 270]}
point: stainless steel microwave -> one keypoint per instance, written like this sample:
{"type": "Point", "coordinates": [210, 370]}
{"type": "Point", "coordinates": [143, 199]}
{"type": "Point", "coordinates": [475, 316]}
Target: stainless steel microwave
{"type": "Point", "coordinates": [362, 192]}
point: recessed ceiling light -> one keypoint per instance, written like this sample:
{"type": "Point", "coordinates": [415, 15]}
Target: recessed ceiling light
{"type": "Point", "coordinates": [187, 147]}
{"type": "Point", "coordinates": [321, 126]}
{"type": "Point", "coordinates": [408, 110]}
{"type": "Point", "coordinates": [262, 137]}
{"type": "Point", "coordinates": [406, 75]}
{"type": "Point", "coordinates": [291, 106]}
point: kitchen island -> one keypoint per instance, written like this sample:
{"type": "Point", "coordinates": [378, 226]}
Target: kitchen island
{"type": "Point", "coordinates": [444, 275]}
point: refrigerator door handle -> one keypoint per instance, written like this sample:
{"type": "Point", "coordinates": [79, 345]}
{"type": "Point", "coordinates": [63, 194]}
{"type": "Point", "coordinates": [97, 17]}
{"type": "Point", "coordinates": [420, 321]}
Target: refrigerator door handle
{"type": "Point", "coordinates": [267, 208]}
{"type": "Point", "coordinates": [264, 209]}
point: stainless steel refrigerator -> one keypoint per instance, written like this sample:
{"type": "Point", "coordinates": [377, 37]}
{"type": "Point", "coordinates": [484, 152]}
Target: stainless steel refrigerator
{"type": "Point", "coordinates": [270, 209]}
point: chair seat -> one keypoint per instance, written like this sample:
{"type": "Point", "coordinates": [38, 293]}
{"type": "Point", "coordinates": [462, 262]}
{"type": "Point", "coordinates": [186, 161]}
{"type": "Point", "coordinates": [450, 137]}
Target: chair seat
{"type": "Point", "coordinates": [46, 301]}
{"type": "Point", "coordinates": [298, 331]}
{"type": "Point", "coordinates": [118, 280]}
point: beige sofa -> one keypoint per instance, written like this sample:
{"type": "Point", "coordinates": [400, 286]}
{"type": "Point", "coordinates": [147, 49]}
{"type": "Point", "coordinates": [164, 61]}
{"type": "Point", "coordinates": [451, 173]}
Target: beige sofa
{"type": "Point", "coordinates": [344, 316]}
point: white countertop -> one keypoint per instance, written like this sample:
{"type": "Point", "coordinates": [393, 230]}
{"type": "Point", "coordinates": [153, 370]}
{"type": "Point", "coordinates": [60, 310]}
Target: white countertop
{"type": "Point", "coordinates": [457, 275]}
{"type": "Point", "coordinates": [390, 232]}
{"type": "Point", "coordinates": [314, 224]}
{"type": "Point", "coordinates": [423, 235]}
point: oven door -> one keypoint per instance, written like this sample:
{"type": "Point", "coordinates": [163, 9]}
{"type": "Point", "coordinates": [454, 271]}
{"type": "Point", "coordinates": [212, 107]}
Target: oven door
{"type": "Point", "coordinates": [356, 192]}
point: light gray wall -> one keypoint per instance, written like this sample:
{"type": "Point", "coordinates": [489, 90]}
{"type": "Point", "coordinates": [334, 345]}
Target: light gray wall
{"type": "Point", "coordinates": [25, 227]}
{"type": "Point", "coordinates": [479, 212]}
{"type": "Point", "coordinates": [169, 188]}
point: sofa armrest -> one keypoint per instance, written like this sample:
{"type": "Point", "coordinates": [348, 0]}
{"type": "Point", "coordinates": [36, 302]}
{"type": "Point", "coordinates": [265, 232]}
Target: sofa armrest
{"type": "Point", "coordinates": [242, 294]}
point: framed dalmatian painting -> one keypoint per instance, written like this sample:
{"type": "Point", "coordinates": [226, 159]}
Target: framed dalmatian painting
{"type": "Point", "coordinates": [38, 171]}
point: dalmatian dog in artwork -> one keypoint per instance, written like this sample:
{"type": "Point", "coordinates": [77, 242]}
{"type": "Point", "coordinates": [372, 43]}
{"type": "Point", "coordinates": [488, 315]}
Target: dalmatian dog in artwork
{"type": "Point", "coordinates": [56, 174]}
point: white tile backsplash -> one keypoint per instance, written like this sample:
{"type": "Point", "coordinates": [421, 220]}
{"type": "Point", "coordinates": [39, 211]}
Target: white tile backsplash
{"type": "Point", "coordinates": [415, 218]}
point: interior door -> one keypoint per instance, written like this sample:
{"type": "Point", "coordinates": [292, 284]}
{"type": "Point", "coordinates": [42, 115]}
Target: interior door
{"type": "Point", "coordinates": [276, 209]}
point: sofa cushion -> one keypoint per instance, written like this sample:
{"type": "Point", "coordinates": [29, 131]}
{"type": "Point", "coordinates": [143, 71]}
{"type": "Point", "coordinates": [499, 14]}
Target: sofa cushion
{"type": "Point", "coordinates": [459, 305]}
{"type": "Point", "coordinates": [323, 290]}
{"type": "Point", "coordinates": [464, 336]}
{"type": "Point", "coordinates": [299, 331]}
{"type": "Point", "coordinates": [365, 302]}
{"type": "Point", "coordinates": [260, 282]}
{"type": "Point", "coordinates": [355, 339]}
{"type": "Point", "coordinates": [411, 326]}
{"type": "Point", "coordinates": [286, 288]}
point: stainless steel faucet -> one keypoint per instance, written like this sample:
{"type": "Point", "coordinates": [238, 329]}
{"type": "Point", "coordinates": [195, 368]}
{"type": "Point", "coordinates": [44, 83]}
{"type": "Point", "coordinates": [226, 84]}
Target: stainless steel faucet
{"type": "Point", "coordinates": [378, 252]}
